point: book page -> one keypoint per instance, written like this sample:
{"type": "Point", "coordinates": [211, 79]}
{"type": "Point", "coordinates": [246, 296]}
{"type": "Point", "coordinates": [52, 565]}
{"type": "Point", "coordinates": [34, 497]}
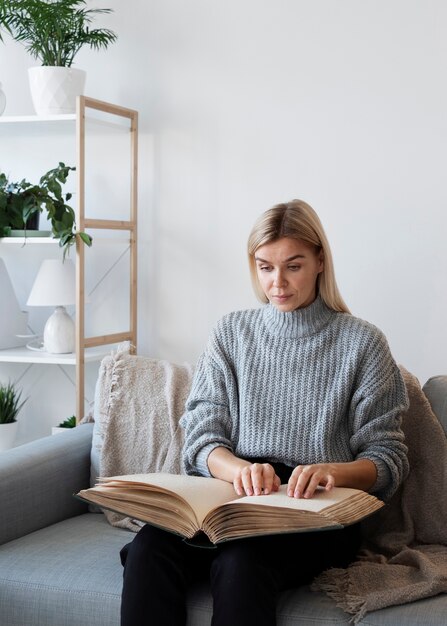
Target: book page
{"type": "Point", "coordinates": [202, 494]}
{"type": "Point", "coordinates": [320, 500]}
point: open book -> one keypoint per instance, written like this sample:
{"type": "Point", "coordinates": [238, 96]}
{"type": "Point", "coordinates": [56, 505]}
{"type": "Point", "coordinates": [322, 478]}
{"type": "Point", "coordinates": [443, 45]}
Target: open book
{"type": "Point", "coordinates": [191, 505]}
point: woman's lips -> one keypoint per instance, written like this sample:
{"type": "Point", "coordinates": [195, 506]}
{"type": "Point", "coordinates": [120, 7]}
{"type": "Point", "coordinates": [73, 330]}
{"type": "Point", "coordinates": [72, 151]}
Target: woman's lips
{"type": "Point", "coordinates": [281, 298]}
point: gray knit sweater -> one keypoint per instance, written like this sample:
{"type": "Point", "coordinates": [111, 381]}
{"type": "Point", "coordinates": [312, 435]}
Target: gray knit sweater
{"type": "Point", "coordinates": [309, 386]}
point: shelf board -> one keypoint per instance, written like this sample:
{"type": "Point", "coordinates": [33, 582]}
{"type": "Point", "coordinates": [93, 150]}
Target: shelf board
{"type": "Point", "coordinates": [29, 240]}
{"type": "Point", "coordinates": [31, 119]}
{"type": "Point", "coordinates": [50, 240]}
{"type": "Point", "coordinates": [24, 355]}
{"type": "Point", "coordinates": [71, 117]}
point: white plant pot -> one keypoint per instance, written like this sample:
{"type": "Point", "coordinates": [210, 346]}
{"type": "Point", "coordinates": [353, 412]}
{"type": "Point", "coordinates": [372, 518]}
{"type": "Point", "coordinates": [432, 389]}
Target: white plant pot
{"type": "Point", "coordinates": [8, 434]}
{"type": "Point", "coordinates": [58, 429]}
{"type": "Point", "coordinates": [54, 89]}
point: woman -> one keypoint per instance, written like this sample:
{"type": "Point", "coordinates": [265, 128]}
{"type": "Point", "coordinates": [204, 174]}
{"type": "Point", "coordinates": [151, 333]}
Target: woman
{"type": "Point", "coordinates": [299, 392]}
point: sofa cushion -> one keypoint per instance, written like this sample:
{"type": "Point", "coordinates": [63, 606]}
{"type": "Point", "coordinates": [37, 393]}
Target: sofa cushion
{"type": "Point", "coordinates": [63, 575]}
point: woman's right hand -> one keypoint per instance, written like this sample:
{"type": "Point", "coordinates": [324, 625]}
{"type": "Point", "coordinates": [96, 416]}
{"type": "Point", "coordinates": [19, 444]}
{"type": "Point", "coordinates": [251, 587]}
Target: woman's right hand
{"type": "Point", "coordinates": [256, 479]}
{"type": "Point", "coordinates": [247, 478]}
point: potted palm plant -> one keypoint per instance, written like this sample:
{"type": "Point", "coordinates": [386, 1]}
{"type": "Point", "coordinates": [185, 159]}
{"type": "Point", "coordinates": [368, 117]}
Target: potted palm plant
{"type": "Point", "coordinates": [22, 202]}
{"type": "Point", "coordinates": [53, 32]}
{"type": "Point", "coordinates": [10, 405]}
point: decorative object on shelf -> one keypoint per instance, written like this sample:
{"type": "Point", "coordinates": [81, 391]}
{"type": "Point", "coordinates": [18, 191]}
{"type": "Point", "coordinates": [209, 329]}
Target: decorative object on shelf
{"type": "Point", "coordinates": [54, 89]}
{"type": "Point", "coordinates": [13, 320]}
{"type": "Point", "coordinates": [22, 202]}
{"type": "Point", "coordinates": [55, 285]}
{"type": "Point", "coordinates": [53, 31]}
{"type": "Point", "coordinates": [70, 422]}
{"type": "Point", "coordinates": [10, 404]}
{"type": "Point", "coordinates": [2, 100]}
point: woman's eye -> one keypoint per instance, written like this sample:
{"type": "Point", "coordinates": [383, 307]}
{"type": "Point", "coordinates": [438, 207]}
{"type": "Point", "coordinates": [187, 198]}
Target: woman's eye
{"type": "Point", "coordinates": [265, 268]}
{"type": "Point", "coordinates": [294, 268]}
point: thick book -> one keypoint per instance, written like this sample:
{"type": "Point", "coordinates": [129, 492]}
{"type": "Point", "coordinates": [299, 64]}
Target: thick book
{"type": "Point", "coordinates": [191, 506]}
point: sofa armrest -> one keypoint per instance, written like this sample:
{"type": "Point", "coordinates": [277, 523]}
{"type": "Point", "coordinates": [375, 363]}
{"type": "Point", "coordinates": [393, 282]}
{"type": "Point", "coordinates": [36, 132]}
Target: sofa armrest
{"type": "Point", "coordinates": [38, 479]}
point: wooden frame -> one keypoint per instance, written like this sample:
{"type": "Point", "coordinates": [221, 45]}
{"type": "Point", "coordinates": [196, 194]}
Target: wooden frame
{"type": "Point", "coordinates": [83, 223]}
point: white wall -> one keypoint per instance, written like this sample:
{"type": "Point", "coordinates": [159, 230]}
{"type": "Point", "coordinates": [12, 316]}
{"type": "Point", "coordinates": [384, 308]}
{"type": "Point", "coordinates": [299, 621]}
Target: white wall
{"type": "Point", "coordinates": [250, 102]}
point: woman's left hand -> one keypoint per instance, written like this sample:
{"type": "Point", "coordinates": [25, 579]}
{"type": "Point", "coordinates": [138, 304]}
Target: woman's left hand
{"type": "Point", "coordinates": [358, 474]}
{"type": "Point", "coordinates": [306, 478]}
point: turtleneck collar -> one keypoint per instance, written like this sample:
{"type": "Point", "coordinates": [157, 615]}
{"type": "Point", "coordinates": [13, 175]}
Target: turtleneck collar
{"type": "Point", "coordinates": [298, 323]}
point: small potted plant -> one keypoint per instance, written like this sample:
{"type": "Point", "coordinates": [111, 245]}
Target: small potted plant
{"type": "Point", "coordinates": [10, 405]}
{"type": "Point", "coordinates": [53, 32]}
{"type": "Point", "coordinates": [70, 422]}
{"type": "Point", "coordinates": [21, 202]}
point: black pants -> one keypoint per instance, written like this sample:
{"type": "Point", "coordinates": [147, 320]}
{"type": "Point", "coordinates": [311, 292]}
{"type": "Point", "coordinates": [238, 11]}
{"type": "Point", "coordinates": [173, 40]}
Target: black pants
{"type": "Point", "coordinates": [246, 575]}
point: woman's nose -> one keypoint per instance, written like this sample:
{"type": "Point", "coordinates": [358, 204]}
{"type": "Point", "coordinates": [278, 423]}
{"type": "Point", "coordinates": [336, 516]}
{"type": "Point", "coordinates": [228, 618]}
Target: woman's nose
{"type": "Point", "coordinates": [279, 280]}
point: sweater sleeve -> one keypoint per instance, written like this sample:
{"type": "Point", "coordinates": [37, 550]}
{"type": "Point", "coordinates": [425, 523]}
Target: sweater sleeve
{"type": "Point", "coordinates": [375, 415]}
{"type": "Point", "coordinates": [207, 419]}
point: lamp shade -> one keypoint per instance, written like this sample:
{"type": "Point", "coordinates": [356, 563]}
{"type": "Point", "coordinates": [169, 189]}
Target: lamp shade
{"type": "Point", "coordinates": [55, 284]}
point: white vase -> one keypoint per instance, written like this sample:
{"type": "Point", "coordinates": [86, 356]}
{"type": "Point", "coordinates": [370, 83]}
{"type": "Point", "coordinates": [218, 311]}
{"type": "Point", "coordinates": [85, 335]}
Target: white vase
{"type": "Point", "coordinates": [8, 434]}
{"type": "Point", "coordinates": [54, 89]}
{"type": "Point", "coordinates": [59, 332]}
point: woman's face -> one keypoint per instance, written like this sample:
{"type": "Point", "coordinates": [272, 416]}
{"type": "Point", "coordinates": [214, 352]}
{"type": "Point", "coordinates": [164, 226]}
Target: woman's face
{"type": "Point", "coordinates": [287, 271]}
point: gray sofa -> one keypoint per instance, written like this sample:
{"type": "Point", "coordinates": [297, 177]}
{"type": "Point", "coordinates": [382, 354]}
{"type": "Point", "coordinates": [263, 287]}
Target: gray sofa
{"type": "Point", "coordinates": [59, 563]}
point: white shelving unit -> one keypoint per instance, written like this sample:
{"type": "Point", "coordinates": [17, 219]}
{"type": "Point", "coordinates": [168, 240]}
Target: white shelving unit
{"type": "Point", "coordinates": [94, 348]}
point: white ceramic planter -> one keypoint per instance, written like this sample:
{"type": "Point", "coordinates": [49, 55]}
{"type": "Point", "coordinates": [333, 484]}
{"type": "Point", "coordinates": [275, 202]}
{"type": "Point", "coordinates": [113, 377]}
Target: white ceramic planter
{"type": "Point", "coordinates": [8, 434]}
{"type": "Point", "coordinates": [54, 89]}
{"type": "Point", "coordinates": [55, 430]}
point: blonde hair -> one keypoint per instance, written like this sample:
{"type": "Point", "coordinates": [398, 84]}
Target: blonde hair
{"type": "Point", "coordinates": [297, 220]}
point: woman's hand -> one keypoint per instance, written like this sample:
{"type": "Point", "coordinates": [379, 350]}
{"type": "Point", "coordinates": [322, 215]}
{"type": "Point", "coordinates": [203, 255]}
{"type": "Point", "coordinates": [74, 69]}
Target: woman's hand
{"type": "Point", "coordinates": [247, 478]}
{"type": "Point", "coordinates": [306, 478]}
{"type": "Point", "coordinates": [359, 474]}
{"type": "Point", "coordinates": [256, 479]}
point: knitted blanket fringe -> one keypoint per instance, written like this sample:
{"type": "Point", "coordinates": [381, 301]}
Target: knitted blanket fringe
{"type": "Point", "coordinates": [335, 582]}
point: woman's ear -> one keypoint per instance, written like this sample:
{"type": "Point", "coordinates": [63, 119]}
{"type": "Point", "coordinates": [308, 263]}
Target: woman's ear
{"type": "Point", "coordinates": [321, 261]}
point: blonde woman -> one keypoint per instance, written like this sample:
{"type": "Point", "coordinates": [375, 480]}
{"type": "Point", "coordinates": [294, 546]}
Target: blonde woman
{"type": "Point", "coordinates": [298, 391]}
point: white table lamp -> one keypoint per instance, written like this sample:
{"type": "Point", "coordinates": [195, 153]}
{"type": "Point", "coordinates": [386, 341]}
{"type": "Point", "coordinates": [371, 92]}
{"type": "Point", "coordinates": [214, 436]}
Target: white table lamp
{"type": "Point", "coordinates": [55, 285]}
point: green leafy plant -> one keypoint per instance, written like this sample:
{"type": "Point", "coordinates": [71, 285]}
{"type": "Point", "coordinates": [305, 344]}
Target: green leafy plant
{"type": "Point", "coordinates": [53, 31]}
{"type": "Point", "coordinates": [19, 201]}
{"type": "Point", "coordinates": [10, 403]}
{"type": "Point", "coordinates": [70, 422]}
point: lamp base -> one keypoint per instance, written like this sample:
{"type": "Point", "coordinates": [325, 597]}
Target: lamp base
{"type": "Point", "coordinates": [59, 332]}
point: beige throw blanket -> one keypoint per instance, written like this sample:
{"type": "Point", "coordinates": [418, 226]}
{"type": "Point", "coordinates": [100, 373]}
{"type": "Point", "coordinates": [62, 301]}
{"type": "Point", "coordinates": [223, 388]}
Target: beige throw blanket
{"type": "Point", "coordinates": [140, 403]}
{"type": "Point", "coordinates": [404, 557]}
